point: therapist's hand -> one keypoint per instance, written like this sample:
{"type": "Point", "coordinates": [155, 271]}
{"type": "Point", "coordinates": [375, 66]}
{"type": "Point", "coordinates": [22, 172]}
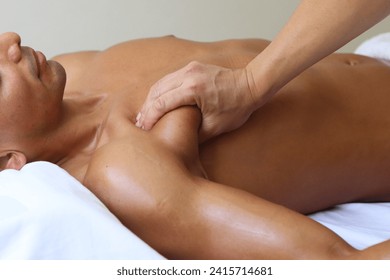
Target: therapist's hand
{"type": "Point", "coordinates": [223, 96]}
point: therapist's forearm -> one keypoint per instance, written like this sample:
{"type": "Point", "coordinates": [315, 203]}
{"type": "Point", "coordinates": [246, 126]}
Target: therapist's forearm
{"type": "Point", "coordinates": [316, 29]}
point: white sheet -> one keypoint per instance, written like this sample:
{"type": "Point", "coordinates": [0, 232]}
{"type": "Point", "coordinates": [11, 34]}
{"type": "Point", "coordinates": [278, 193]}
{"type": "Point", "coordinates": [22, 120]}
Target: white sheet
{"type": "Point", "coordinates": [47, 214]}
{"type": "Point", "coordinates": [360, 224]}
{"type": "Point", "coordinates": [377, 46]}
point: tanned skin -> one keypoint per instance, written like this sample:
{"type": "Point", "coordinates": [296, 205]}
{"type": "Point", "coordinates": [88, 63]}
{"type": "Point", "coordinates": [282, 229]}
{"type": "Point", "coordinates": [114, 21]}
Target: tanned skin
{"type": "Point", "coordinates": [324, 139]}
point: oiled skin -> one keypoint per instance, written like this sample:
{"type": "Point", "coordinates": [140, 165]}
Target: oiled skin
{"type": "Point", "coordinates": [323, 139]}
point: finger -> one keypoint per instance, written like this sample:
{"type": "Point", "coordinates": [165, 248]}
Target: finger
{"type": "Point", "coordinates": [164, 104]}
{"type": "Point", "coordinates": [167, 83]}
{"type": "Point", "coordinates": [164, 85]}
{"type": "Point", "coordinates": [152, 101]}
{"type": "Point", "coordinates": [172, 80]}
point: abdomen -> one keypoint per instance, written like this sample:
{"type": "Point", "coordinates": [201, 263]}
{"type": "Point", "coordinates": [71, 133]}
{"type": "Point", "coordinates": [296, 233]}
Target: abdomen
{"type": "Point", "coordinates": [324, 139]}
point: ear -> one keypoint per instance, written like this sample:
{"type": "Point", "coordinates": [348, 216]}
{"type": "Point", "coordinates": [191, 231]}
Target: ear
{"type": "Point", "coordinates": [12, 160]}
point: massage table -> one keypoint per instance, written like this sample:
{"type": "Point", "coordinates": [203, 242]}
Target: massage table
{"type": "Point", "coordinates": [47, 214]}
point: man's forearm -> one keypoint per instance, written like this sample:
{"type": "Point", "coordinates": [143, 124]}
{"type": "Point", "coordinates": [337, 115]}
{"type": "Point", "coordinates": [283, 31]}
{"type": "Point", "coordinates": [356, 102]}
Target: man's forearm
{"type": "Point", "coordinates": [316, 29]}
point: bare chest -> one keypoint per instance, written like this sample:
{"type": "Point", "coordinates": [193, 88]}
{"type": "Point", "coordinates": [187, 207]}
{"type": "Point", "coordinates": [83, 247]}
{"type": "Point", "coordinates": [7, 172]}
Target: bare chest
{"type": "Point", "coordinates": [115, 127]}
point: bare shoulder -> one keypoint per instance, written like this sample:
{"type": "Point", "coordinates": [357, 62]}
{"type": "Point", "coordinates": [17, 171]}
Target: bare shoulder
{"type": "Point", "coordinates": [140, 175]}
{"type": "Point", "coordinates": [136, 163]}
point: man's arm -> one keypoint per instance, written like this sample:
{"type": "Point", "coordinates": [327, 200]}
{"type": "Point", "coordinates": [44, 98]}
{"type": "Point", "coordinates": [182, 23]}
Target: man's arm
{"type": "Point", "coordinates": [154, 185]}
{"type": "Point", "coordinates": [227, 97]}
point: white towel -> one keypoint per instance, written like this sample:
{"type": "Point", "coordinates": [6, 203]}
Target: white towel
{"type": "Point", "coordinates": [378, 47]}
{"type": "Point", "coordinates": [47, 214]}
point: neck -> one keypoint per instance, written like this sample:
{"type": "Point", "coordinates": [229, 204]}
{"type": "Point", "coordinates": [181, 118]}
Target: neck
{"type": "Point", "coordinates": [80, 129]}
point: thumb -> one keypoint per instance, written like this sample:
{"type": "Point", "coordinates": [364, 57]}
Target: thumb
{"type": "Point", "coordinates": [167, 102]}
{"type": "Point", "coordinates": [148, 117]}
{"type": "Point", "coordinates": [208, 130]}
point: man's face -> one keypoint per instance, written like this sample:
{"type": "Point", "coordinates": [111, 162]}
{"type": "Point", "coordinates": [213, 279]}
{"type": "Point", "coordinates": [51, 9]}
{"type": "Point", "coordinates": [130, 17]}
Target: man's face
{"type": "Point", "coordinates": [31, 89]}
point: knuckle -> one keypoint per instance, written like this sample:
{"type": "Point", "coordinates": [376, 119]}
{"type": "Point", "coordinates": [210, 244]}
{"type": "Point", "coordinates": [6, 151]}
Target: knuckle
{"type": "Point", "coordinates": [195, 87]}
{"type": "Point", "coordinates": [194, 66]}
{"type": "Point", "coordinates": [159, 105]}
{"type": "Point", "coordinates": [154, 90]}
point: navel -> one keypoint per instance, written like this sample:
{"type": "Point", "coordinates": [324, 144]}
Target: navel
{"type": "Point", "coordinates": [352, 62]}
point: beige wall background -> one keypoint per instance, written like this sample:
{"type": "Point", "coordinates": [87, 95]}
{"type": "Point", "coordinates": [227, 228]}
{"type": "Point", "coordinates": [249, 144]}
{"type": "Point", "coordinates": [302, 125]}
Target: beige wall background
{"type": "Point", "coordinates": [55, 26]}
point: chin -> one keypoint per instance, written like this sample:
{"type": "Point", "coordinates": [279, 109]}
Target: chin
{"type": "Point", "coordinates": [59, 75]}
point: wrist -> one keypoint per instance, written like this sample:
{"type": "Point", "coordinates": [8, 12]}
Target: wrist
{"type": "Point", "coordinates": [244, 92]}
{"type": "Point", "coordinates": [269, 72]}
{"type": "Point", "coordinates": [260, 84]}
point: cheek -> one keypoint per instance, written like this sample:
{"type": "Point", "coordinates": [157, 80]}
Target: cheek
{"type": "Point", "coordinates": [16, 80]}
{"type": "Point", "coordinates": [27, 102]}
{"type": "Point", "coordinates": [17, 101]}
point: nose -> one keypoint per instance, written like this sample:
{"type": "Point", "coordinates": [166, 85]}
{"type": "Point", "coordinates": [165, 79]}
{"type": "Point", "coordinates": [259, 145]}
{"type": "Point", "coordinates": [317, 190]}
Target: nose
{"type": "Point", "coordinates": [10, 46]}
{"type": "Point", "coordinates": [9, 38]}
